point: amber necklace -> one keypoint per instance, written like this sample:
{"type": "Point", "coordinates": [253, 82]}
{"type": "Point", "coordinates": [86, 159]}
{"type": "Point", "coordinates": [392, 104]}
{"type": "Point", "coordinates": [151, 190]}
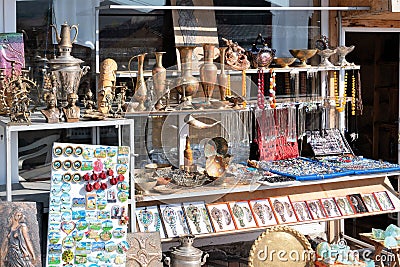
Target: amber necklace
{"type": "Point", "coordinates": [339, 106]}
{"type": "Point", "coordinates": [353, 94]}
{"type": "Point", "coordinates": [272, 88]}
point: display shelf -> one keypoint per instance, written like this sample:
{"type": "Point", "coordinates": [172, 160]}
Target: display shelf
{"type": "Point", "coordinates": [300, 191]}
{"type": "Point", "coordinates": [175, 73]}
{"type": "Point", "coordinates": [225, 192]}
{"type": "Point", "coordinates": [9, 141]}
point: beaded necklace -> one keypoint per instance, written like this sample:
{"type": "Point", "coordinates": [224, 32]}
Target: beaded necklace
{"type": "Point", "coordinates": [353, 94]}
{"type": "Point", "coordinates": [339, 106]}
{"type": "Point", "coordinates": [260, 94]}
{"type": "Point", "coordinates": [272, 88]}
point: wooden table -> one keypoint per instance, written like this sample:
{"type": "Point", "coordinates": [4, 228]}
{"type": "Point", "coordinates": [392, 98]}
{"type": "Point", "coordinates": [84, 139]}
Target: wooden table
{"type": "Point", "coordinates": [379, 246]}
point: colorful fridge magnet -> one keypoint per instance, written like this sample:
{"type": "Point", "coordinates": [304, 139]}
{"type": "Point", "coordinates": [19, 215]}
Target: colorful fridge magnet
{"type": "Point", "coordinates": [263, 213]}
{"type": "Point", "coordinates": [370, 202]}
{"type": "Point", "coordinates": [68, 150]}
{"type": "Point", "coordinates": [220, 216]}
{"type": "Point", "coordinates": [91, 201]}
{"type": "Point", "coordinates": [384, 201]}
{"type": "Point", "coordinates": [302, 212]}
{"type": "Point", "coordinates": [330, 207]}
{"type": "Point", "coordinates": [344, 206]}
{"type": "Point", "coordinates": [197, 217]}
{"type": "Point", "coordinates": [283, 209]}
{"type": "Point", "coordinates": [242, 215]}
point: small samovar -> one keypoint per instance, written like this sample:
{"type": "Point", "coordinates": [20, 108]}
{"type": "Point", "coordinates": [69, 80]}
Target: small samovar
{"type": "Point", "coordinates": [65, 68]}
{"type": "Point", "coordinates": [186, 255]}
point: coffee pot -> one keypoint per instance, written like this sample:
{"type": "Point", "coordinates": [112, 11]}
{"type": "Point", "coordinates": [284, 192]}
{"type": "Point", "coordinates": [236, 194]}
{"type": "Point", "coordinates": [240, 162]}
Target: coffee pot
{"type": "Point", "coordinates": [65, 68]}
{"type": "Point", "coordinates": [260, 56]}
{"type": "Point", "coordinates": [186, 255]}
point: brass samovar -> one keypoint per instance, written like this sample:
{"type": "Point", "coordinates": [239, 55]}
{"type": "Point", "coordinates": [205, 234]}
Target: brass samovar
{"type": "Point", "coordinates": [65, 68]}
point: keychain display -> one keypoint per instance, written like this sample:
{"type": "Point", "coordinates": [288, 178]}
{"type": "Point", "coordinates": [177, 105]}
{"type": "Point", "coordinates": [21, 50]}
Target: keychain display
{"type": "Point", "coordinates": [174, 220]}
{"type": "Point", "coordinates": [88, 213]}
{"type": "Point", "coordinates": [148, 219]}
{"type": "Point", "coordinates": [242, 215]}
{"type": "Point", "coordinates": [198, 218]}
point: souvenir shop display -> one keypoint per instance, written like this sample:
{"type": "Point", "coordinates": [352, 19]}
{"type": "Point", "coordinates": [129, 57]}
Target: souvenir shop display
{"type": "Point", "coordinates": [344, 206]}
{"type": "Point", "coordinates": [88, 210]}
{"type": "Point", "coordinates": [359, 165]}
{"type": "Point", "coordinates": [357, 202]}
{"type": "Point", "coordinates": [384, 201]}
{"type": "Point", "coordinates": [302, 212]}
{"type": "Point", "coordinates": [303, 169]}
{"type": "Point", "coordinates": [263, 214]}
{"type": "Point", "coordinates": [149, 220]}
{"type": "Point", "coordinates": [221, 217]}
{"type": "Point", "coordinates": [370, 202]}
{"type": "Point", "coordinates": [242, 215]}
{"type": "Point", "coordinates": [174, 220]}
{"type": "Point", "coordinates": [327, 142]}
{"type": "Point", "coordinates": [197, 218]}
{"type": "Point", "coordinates": [283, 209]}
{"type": "Point", "coordinates": [316, 209]}
{"type": "Point", "coordinates": [330, 207]}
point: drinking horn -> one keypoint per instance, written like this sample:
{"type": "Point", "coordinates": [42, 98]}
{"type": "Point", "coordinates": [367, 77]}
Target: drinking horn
{"type": "Point", "coordinates": [189, 119]}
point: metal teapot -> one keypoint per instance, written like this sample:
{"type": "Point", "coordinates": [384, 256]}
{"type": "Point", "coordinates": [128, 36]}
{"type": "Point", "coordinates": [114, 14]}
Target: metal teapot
{"type": "Point", "coordinates": [261, 57]}
{"type": "Point", "coordinates": [64, 38]}
{"type": "Point", "coordinates": [186, 255]}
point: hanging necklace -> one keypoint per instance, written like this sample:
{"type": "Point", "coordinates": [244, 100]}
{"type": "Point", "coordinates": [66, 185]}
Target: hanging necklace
{"type": "Point", "coordinates": [260, 94]}
{"type": "Point", "coordinates": [272, 88]}
{"type": "Point", "coordinates": [353, 94]}
{"type": "Point", "coordinates": [340, 106]}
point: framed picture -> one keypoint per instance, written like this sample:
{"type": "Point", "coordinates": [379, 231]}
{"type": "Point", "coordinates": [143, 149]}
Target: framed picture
{"type": "Point", "coordinates": [330, 207]}
{"type": "Point", "coordinates": [316, 209]}
{"type": "Point", "coordinates": [149, 220]}
{"type": "Point", "coordinates": [221, 217]}
{"type": "Point", "coordinates": [242, 215]}
{"type": "Point", "coordinates": [283, 209]}
{"type": "Point", "coordinates": [344, 206]}
{"type": "Point", "coordinates": [197, 218]}
{"type": "Point", "coordinates": [174, 220]}
{"type": "Point", "coordinates": [357, 203]}
{"type": "Point", "coordinates": [302, 212]}
{"type": "Point", "coordinates": [19, 233]}
{"type": "Point", "coordinates": [370, 202]}
{"type": "Point", "coordinates": [384, 201]}
{"type": "Point", "coordinates": [263, 214]}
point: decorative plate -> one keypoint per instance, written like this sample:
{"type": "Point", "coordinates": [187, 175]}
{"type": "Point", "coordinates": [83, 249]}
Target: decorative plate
{"type": "Point", "coordinates": [295, 247]}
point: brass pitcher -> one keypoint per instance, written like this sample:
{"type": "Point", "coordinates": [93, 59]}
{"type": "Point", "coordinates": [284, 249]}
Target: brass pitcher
{"type": "Point", "coordinates": [64, 38]}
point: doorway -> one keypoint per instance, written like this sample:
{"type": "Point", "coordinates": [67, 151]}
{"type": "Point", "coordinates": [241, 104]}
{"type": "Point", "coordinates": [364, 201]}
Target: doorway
{"type": "Point", "coordinates": [377, 53]}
